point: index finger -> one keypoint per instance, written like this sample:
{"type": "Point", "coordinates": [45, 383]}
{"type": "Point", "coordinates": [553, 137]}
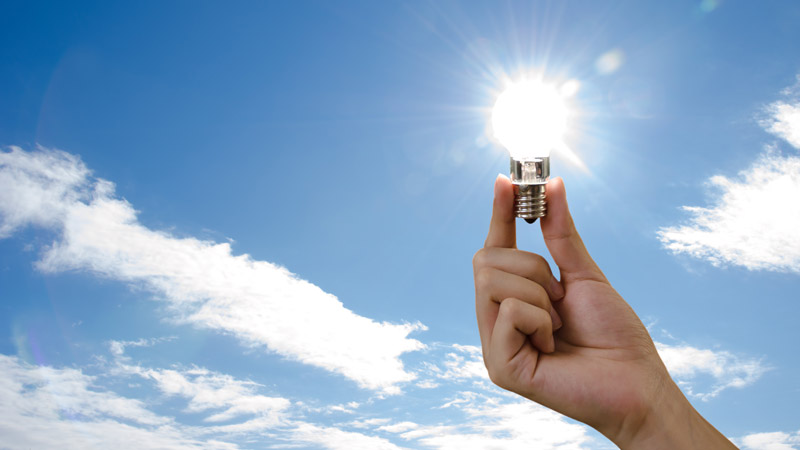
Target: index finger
{"type": "Point", "coordinates": [502, 229]}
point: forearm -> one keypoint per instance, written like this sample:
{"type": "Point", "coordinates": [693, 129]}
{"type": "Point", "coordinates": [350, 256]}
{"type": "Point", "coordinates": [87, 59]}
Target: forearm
{"type": "Point", "coordinates": [673, 424]}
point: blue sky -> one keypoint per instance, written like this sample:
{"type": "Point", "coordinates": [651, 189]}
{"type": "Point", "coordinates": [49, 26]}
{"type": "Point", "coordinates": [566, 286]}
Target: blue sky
{"type": "Point", "coordinates": [251, 225]}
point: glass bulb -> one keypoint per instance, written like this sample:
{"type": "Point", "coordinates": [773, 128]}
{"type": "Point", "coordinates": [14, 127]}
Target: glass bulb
{"type": "Point", "coordinates": [529, 119]}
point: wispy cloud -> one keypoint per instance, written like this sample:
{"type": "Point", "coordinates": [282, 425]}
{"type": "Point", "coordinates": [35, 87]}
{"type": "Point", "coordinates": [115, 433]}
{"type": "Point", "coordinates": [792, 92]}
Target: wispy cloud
{"type": "Point", "coordinates": [228, 412]}
{"type": "Point", "coordinates": [337, 439]}
{"type": "Point", "coordinates": [210, 391]}
{"type": "Point", "coordinates": [476, 414]}
{"type": "Point", "coordinates": [46, 407]}
{"type": "Point", "coordinates": [117, 348]}
{"type": "Point", "coordinates": [753, 219]}
{"type": "Point", "coordinates": [452, 363]}
{"type": "Point", "coordinates": [782, 118]}
{"type": "Point", "coordinates": [203, 282]}
{"type": "Point", "coordinates": [690, 365]}
{"type": "Point", "coordinates": [494, 420]}
{"type": "Point", "coordinates": [235, 408]}
{"type": "Point", "coordinates": [465, 361]}
{"type": "Point", "coordinates": [769, 441]}
{"type": "Point", "coordinates": [213, 410]}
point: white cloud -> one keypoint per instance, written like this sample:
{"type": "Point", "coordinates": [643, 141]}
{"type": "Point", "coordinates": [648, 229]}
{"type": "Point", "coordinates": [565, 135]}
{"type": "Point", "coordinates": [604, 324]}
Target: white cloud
{"type": "Point", "coordinates": [465, 362]}
{"type": "Point", "coordinates": [368, 423]}
{"type": "Point", "coordinates": [769, 441]}
{"type": "Point", "coordinates": [494, 422]}
{"type": "Point", "coordinates": [117, 348]}
{"type": "Point", "coordinates": [753, 219]}
{"type": "Point", "coordinates": [225, 398]}
{"type": "Point", "coordinates": [39, 187]}
{"type": "Point", "coordinates": [235, 409]}
{"type": "Point", "coordinates": [427, 384]}
{"type": "Point", "coordinates": [45, 407]}
{"type": "Point", "coordinates": [688, 365]}
{"type": "Point", "coordinates": [347, 408]}
{"type": "Point", "coordinates": [467, 412]}
{"type": "Point", "coordinates": [337, 439]}
{"type": "Point", "coordinates": [399, 427]}
{"type": "Point", "coordinates": [207, 390]}
{"type": "Point", "coordinates": [203, 282]}
{"type": "Point", "coordinates": [783, 116]}
{"type": "Point", "coordinates": [460, 363]}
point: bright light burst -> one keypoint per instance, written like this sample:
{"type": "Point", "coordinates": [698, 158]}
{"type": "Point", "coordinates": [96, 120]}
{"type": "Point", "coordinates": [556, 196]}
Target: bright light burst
{"type": "Point", "coordinates": [530, 118]}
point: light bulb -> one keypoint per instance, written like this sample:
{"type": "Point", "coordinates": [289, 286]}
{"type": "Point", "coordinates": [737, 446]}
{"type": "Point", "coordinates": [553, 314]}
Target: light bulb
{"type": "Point", "coordinates": [529, 119]}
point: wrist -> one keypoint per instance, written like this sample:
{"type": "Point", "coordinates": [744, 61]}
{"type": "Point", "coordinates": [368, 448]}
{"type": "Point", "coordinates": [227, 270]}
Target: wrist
{"type": "Point", "coordinates": [671, 423]}
{"type": "Point", "coordinates": [656, 428]}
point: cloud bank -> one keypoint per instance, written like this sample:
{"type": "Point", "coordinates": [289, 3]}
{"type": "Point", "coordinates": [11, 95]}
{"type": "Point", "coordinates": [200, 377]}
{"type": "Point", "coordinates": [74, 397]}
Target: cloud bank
{"type": "Point", "coordinates": [45, 407]}
{"type": "Point", "coordinates": [203, 282]}
{"type": "Point", "coordinates": [194, 407]}
{"type": "Point", "coordinates": [48, 407]}
{"type": "Point", "coordinates": [753, 219]}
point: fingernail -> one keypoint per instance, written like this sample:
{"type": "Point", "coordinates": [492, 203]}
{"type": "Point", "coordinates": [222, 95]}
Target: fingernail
{"type": "Point", "coordinates": [557, 323]}
{"type": "Point", "coordinates": [556, 289]}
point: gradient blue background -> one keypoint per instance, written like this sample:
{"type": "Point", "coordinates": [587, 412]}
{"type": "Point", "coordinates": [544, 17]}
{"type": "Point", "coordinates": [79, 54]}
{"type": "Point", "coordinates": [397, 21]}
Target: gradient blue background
{"type": "Point", "coordinates": [347, 142]}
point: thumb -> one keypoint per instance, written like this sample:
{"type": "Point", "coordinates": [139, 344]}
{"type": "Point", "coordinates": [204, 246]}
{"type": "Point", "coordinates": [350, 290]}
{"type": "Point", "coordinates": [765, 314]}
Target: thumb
{"type": "Point", "coordinates": [562, 239]}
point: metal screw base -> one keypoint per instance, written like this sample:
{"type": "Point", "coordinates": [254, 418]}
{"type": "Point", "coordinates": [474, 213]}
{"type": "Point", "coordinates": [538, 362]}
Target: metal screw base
{"type": "Point", "coordinates": [529, 201]}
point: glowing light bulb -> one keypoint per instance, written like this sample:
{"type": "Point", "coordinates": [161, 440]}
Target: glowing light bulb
{"type": "Point", "coordinates": [529, 119]}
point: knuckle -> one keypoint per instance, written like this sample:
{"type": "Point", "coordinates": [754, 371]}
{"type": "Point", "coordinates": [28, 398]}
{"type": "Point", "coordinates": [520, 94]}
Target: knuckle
{"type": "Point", "coordinates": [480, 259]}
{"type": "Point", "coordinates": [539, 265]}
{"type": "Point", "coordinates": [539, 298]}
{"type": "Point", "coordinates": [538, 259]}
{"type": "Point", "coordinates": [547, 324]}
{"type": "Point", "coordinates": [496, 376]}
{"type": "Point", "coordinates": [510, 308]}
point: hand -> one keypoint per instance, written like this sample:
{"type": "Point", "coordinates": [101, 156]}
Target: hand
{"type": "Point", "coordinates": [600, 366]}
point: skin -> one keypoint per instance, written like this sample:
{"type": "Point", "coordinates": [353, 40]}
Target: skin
{"type": "Point", "coordinates": [574, 345]}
